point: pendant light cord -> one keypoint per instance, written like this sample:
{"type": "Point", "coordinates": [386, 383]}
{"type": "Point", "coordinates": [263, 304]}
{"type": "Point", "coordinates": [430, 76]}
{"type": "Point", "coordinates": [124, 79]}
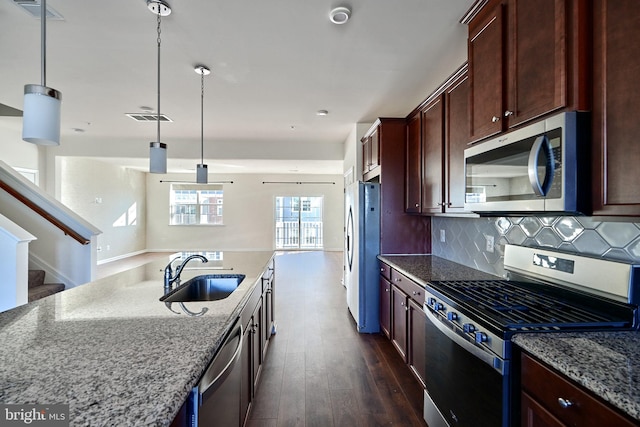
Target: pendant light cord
{"type": "Point", "coordinates": [159, 31]}
{"type": "Point", "coordinates": [43, 39]}
{"type": "Point", "coordinates": [201, 116]}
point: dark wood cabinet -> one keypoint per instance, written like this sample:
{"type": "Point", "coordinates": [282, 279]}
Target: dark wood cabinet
{"type": "Point", "coordinates": [485, 56]}
{"type": "Point", "coordinates": [437, 135]}
{"type": "Point", "coordinates": [399, 309]}
{"type": "Point", "coordinates": [432, 155]}
{"type": "Point", "coordinates": [413, 180]}
{"type": "Point", "coordinates": [526, 59]}
{"type": "Point", "coordinates": [403, 299]}
{"type": "Point", "coordinates": [616, 118]}
{"type": "Point", "coordinates": [258, 322]}
{"type": "Point", "coordinates": [385, 299]}
{"type": "Point", "coordinates": [417, 358]}
{"type": "Point", "coordinates": [399, 232]}
{"type": "Point", "coordinates": [550, 399]}
{"type": "Point", "coordinates": [456, 103]}
{"type": "Point", "coordinates": [371, 154]}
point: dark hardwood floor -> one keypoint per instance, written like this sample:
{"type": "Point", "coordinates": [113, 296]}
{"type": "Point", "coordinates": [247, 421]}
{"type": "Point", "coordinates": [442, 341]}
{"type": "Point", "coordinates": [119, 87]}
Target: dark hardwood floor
{"type": "Point", "coordinates": [319, 371]}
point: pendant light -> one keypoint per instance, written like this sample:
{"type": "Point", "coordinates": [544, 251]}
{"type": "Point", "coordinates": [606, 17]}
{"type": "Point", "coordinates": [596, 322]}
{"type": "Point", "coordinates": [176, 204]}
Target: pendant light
{"type": "Point", "coordinates": [157, 149]}
{"type": "Point", "coordinates": [202, 171]}
{"type": "Point", "coordinates": [41, 110]}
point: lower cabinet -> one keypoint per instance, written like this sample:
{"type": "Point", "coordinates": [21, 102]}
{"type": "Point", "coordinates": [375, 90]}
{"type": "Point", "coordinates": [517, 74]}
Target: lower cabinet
{"type": "Point", "coordinates": [550, 399]}
{"type": "Point", "coordinates": [385, 306]}
{"type": "Point", "coordinates": [399, 321]}
{"type": "Point", "coordinates": [416, 355]}
{"type": "Point", "coordinates": [402, 318]}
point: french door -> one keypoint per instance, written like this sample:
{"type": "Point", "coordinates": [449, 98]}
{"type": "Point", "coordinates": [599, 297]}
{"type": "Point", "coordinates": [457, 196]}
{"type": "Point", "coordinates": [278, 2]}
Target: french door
{"type": "Point", "coordinates": [298, 222]}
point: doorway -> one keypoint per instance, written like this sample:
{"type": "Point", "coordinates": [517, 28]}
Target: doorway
{"type": "Point", "coordinates": [298, 222]}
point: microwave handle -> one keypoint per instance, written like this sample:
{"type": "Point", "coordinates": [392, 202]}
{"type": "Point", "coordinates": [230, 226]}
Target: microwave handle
{"type": "Point", "coordinates": [541, 143]}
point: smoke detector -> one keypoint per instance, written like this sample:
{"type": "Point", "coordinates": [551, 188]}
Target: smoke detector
{"type": "Point", "coordinates": [340, 15]}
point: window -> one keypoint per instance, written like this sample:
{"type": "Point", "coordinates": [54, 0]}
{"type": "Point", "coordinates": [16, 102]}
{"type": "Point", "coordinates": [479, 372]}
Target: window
{"type": "Point", "coordinates": [192, 204]}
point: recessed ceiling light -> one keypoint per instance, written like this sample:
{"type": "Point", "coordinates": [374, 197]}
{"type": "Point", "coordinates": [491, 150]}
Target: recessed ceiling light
{"type": "Point", "coordinates": [340, 15]}
{"type": "Point", "coordinates": [322, 112]}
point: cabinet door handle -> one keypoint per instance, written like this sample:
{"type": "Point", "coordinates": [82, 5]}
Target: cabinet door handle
{"type": "Point", "coordinates": [397, 279]}
{"type": "Point", "coordinates": [402, 303]}
{"type": "Point", "coordinates": [495, 119]}
{"type": "Point", "coordinates": [386, 289]}
{"type": "Point", "coordinates": [417, 205]}
{"type": "Point", "coordinates": [416, 293]}
{"type": "Point", "coordinates": [565, 403]}
{"type": "Point", "coordinates": [440, 204]}
{"type": "Point", "coordinates": [508, 113]}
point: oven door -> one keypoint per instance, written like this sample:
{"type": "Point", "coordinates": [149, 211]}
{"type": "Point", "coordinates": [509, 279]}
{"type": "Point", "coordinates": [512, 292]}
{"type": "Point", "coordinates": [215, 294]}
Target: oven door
{"type": "Point", "coordinates": [463, 388]}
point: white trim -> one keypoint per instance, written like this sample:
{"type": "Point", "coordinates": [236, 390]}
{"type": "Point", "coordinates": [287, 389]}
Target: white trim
{"type": "Point", "coordinates": [52, 275]}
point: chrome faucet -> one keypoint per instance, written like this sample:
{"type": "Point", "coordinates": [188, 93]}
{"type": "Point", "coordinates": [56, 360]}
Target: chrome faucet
{"type": "Point", "coordinates": [170, 278]}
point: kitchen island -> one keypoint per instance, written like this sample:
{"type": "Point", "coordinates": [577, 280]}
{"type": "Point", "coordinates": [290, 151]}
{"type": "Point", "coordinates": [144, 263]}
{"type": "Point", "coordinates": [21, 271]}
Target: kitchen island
{"type": "Point", "coordinates": [112, 351]}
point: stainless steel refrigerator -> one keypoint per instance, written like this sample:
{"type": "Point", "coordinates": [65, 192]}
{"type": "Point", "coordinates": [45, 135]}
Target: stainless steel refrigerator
{"type": "Point", "coordinates": [362, 245]}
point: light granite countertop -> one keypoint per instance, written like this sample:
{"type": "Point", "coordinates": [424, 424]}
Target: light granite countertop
{"type": "Point", "coordinates": [112, 351]}
{"type": "Point", "coordinates": [606, 363]}
{"type": "Point", "coordinates": [425, 268]}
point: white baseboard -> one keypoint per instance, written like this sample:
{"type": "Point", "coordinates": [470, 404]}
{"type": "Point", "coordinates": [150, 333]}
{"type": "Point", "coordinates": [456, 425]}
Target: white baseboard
{"type": "Point", "coordinates": [119, 257]}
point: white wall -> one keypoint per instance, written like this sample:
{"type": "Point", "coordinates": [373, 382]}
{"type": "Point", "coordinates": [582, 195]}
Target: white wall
{"type": "Point", "coordinates": [248, 212]}
{"type": "Point", "coordinates": [13, 150]}
{"type": "Point", "coordinates": [112, 198]}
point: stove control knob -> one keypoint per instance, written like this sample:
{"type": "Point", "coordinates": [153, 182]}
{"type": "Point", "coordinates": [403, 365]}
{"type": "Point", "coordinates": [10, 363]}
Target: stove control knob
{"type": "Point", "coordinates": [468, 328]}
{"type": "Point", "coordinates": [481, 337]}
{"type": "Point", "coordinates": [431, 301]}
{"type": "Point", "coordinates": [438, 306]}
{"type": "Point", "coordinates": [452, 315]}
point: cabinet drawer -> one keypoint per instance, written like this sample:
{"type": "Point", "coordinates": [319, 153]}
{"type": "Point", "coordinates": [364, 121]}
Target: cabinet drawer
{"type": "Point", "coordinates": [385, 270]}
{"type": "Point", "coordinates": [408, 286]}
{"type": "Point", "coordinates": [547, 387]}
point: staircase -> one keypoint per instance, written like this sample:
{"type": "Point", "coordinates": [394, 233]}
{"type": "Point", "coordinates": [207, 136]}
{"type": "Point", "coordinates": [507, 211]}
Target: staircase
{"type": "Point", "coordinates": [38, 289]}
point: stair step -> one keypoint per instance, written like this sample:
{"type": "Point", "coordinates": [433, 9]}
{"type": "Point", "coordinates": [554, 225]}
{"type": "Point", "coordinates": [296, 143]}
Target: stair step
{"type": "Point", "coordinates": [36, 278]}
{"type": "Point", "coordinates": [38, 289]}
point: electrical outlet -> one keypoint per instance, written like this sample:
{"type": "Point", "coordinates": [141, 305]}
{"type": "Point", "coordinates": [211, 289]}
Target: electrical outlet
{"type": "Point", "coordinates": [490, 242]}
{"type": "Point", "coordinates": [99, 249]}
{"type": "Point", "coordinates": [108, 247]}
{"type": "Point", "coordinates": [442, 236]}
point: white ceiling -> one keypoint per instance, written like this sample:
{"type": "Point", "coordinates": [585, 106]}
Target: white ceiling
{"type": "Point", "coordinates": [274, 63]}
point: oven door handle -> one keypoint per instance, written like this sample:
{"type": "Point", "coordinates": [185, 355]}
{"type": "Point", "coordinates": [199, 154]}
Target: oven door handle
{"type": "Point", "coordinates": [541, 190]}
{"type": "Point", "coordinates": [487, 357]}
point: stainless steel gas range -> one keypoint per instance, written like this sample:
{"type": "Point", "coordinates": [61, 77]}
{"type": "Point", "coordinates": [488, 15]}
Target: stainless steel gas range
{"type": "Point", "coordinates": [470, 324]}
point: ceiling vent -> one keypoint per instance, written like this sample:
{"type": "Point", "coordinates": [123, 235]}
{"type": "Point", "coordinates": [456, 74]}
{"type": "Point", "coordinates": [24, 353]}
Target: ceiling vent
{"type": "Point", "coordinates": [32, 7]}
{"type": "Point", "coordinates": [148, 117]}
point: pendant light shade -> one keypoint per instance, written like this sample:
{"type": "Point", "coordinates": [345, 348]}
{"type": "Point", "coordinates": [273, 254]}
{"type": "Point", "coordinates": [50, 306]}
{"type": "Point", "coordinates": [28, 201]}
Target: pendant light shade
{"type": "Point", "coordinates": [41, 110]}
{"type": "Point", "coordinates": [157, 157]}
{"type": "Point", "coordinates": [157, 149]}
{"type": "Point", "coordinates": [41, 116]}
{"type": "Point", "coordinates": [202, 174]}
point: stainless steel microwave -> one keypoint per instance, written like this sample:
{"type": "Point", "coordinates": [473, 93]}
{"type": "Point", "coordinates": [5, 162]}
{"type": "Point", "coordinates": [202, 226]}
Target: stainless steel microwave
{"type": "Point", "coordinates": [542, 168]}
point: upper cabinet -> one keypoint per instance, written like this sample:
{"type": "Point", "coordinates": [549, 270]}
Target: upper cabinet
{"type": "Point", "coordinates": [616, 118]}
{"type": "Point", "coordinates": [526, 59]}
{"type": "Point", "coordinates": [371, 154]}
{"type": "Point", "coordinates": [437, 135]}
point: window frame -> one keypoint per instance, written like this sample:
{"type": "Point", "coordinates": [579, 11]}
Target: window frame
{"type": "Point", "coordinates": [191, 203]}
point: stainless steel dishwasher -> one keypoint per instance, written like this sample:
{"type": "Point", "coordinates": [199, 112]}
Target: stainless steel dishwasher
{"type": "Point", "coordinates": [215, 401]}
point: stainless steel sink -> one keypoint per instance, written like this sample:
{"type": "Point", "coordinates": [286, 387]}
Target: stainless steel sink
{"type": "Point", "coordinates": [208, 287]}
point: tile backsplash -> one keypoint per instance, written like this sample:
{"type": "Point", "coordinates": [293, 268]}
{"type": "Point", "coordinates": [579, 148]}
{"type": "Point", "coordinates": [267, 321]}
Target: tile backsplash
{"type": "Point", "coordinates": [466, 238]}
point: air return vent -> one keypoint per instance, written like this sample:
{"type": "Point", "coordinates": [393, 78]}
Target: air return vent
{"type": "Point", "coordinates": [148, 117]}
{"type": "Point", "coordinates": [32, 7]}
